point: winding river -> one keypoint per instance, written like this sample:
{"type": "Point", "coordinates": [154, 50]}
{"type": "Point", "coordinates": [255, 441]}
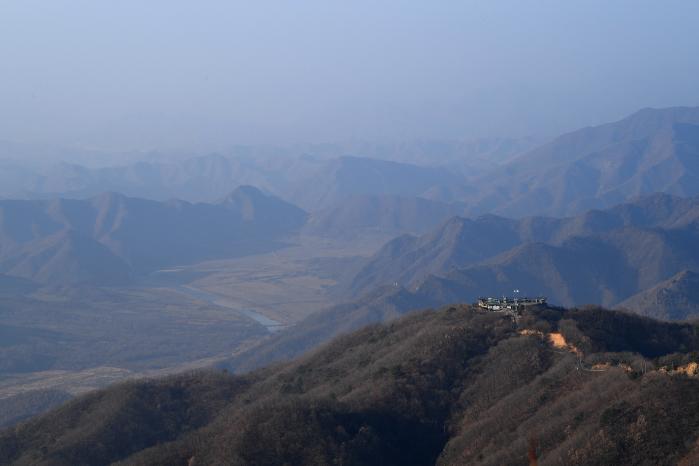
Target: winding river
{"type": "Point", "coordinates": [270, 324]}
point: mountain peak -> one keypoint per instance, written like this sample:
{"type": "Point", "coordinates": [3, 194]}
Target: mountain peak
{"type": "Point", "coordinates": [653, 150]}
{"type": "Point", "coordinates": [253, 205]}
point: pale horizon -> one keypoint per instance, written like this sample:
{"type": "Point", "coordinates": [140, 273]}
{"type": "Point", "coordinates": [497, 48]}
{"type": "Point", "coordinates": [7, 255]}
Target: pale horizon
{"type": "Point", "coordinates": [175, 76]}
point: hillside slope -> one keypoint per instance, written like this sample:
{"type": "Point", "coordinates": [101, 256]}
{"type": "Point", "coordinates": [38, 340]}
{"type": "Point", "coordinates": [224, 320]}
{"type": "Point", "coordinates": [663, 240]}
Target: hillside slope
{"type": "Point", "coordinates": [381, 305]}
{"type": "Point", "coordinates": [601, 256]}
{"type": "Point", "coordinates": [107, 239]}
{"type": "Point", "coordinates": [573, 387]}
{"type": "Point", "coordinates": [676, 298]}
{"type": "Point", "coordinates": [602, 269]}
{"type": "Point", "coordinates": [652, 150]}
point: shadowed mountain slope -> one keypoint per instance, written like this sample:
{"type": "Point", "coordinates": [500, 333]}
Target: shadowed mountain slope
{"type": "Point", "coordinates": [450, 387]}
{"type": "Point", "coordinates": [583, 270]}
{"type": "Point", "coordinates": [66, 257]}
{"type": "Point", "coordinates": [676, 298]}
{"type": "Point", "coordinates": [597, 269]}
{"type": "Point", "coordinates": [597, 257]}
{"type": "Point", "coordinates": [263, 212]}
{"type": "Point", "coordinates": [108, 238]}
{"type": "Point", "coordinates": [462, 242]}
{"type": "Point", "coordinates": [457, 242]}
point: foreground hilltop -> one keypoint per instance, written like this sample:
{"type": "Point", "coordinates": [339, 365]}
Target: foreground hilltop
{"type": "Point", "coordinates": [455, 386]}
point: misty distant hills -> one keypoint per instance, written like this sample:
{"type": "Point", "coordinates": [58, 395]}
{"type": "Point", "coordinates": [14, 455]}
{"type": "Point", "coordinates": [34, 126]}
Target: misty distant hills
{"type": "Point", "coordinates": [108, 238]}
{"type": "Point", "coordinates": [310, 182]}
{"type": "Point", "coordinates": [676, 298]}
{"type": "Point", "coordinates": [198, 179]}
{"type": "Point", "coordinates": [653, 150]}
{"type": "Point", "coordinates": [469, 157]}
{"type": "Point", "coordinates": [385, 213]}
{"type": "Point", "coordinates": [282, 171]}
{"type": "Point", "coordinates": [597, 257]}
{"type": "Point", "coordinates": [344, 177]}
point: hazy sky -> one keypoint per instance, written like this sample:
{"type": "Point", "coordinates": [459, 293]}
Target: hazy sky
{"type": "Point", "coordinates": [204, 74]}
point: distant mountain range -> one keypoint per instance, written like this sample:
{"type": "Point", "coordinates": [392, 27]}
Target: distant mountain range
{"type": "Point", "coordinates": [653, 150]}
{"type": "Point", "coordinates": [109, 238]}
{"type": "Point", "coordinates": [310, 182]}
{"type": "Point", "coordinates": [344, 177]}
{"type": "Point", "coordinates": [468, 157]}
{"type": "Point", "coordinates": [597, 257]}
{"type": "Point", "coordinates": [448, 387]}
{"type": "Point", "coordinates": [285, 172]}
{"type": "Point", "coordinates": [383, 213]}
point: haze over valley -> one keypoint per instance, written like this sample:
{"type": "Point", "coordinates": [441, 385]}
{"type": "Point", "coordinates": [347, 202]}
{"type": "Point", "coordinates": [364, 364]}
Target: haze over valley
{"type": "Point", "coordinates": [349, 234]}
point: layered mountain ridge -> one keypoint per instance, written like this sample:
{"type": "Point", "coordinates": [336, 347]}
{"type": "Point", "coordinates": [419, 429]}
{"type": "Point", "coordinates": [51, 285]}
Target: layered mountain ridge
{"type": "Point", "coordinates": [652, 150]}
{"type": "Point", "coordinates": [623, 250]}
{"type": "Point", "coordinates": [106, 239]}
